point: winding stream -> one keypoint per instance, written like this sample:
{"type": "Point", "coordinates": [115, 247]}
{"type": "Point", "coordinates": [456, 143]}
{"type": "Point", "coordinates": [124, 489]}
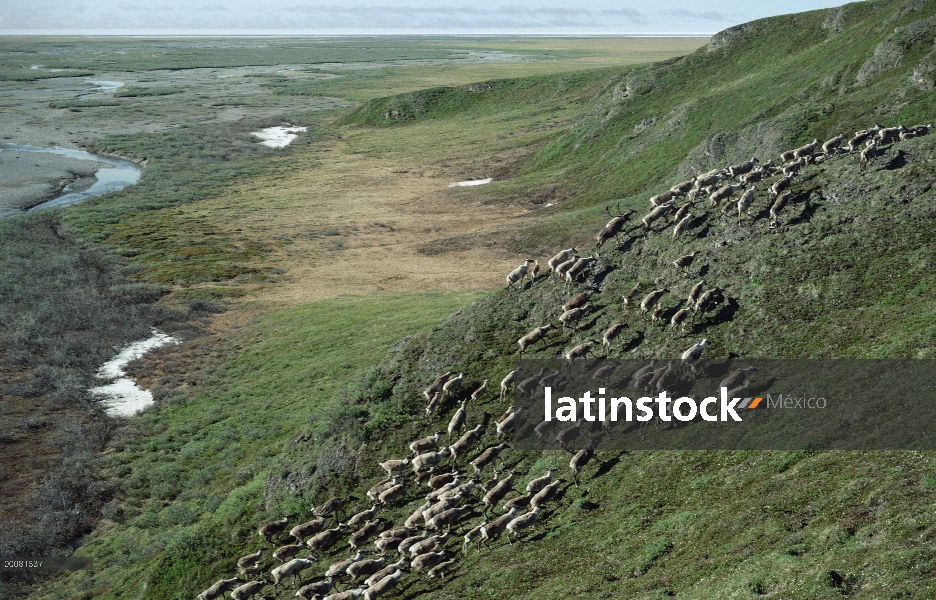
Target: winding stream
{"type": "Point", "coordinates": [109, 179]}
{"type": "Point", "coordinates": [105, 86]}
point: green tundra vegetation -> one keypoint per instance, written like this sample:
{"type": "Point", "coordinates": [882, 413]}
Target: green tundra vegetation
{"type": "Point", "coordinates": [301, 403]}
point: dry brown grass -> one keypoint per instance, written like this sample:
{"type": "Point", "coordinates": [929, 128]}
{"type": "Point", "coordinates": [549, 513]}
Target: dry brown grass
{"type": "Point", "coordinates": [343, 222]}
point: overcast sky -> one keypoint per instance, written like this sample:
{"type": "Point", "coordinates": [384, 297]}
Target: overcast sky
{"type": "Point", "coordinates": [387, 16]}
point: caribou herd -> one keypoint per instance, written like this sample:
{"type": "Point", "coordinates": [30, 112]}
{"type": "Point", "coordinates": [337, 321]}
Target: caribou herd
{"type": "Point", "coordinates": [456, 503]}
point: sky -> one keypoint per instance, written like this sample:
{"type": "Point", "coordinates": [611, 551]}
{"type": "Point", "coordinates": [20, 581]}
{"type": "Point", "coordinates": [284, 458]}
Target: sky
{"type": "Point", "coordinates": [179, 17]}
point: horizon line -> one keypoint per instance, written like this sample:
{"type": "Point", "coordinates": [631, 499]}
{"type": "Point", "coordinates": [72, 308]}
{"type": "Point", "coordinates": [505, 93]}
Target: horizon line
{"type": "Point", "coordinates": [349, 33]}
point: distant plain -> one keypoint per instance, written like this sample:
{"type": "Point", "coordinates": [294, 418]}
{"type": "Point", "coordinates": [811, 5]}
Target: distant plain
{"type": "Point", "coordinates": [369, 189]}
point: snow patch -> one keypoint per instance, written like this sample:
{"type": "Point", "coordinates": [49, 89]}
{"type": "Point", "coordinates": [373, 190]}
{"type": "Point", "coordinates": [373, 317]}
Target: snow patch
{"type": "Point", "coordinates": [471, 182]}
{"type": "Point", "coordinates": [278, 137]}
{"type": "Point", "coordinates": [124, 397]}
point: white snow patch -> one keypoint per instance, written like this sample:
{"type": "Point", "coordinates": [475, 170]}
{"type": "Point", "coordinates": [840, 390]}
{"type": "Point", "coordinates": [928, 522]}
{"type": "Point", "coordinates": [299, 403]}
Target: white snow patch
{"type": "Point", "coordinates": [278, 137]}
{"type": "Point", "coordinates": [124, 396]}
{"type": "Point", "coordinates": [471, 182]}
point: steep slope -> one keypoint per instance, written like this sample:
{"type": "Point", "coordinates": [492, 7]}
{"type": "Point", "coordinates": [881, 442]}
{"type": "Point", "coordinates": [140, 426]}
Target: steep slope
{"type": "Point", "coordinates": [755, 90]}
{"type": "Point", "coordinates": [847, 274]}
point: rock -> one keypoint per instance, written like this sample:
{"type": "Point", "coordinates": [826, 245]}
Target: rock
{"type": "Point", "coordinates": [892, 50]}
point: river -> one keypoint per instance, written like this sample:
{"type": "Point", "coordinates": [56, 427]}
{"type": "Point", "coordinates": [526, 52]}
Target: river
{"type": "Point", "coordinates": [115, 177]}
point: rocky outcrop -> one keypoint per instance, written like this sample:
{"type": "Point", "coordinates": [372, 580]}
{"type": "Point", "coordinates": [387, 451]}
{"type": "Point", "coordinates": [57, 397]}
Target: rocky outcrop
{"type": "Point", "coordinates": [891, 52]}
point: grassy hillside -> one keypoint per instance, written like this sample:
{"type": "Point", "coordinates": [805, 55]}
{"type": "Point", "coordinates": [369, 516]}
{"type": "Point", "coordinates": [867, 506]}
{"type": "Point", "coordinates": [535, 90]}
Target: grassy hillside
{"type": "Point", "coordinates": [847, 274]}
{"type": "Point", "coordinates": [754, 90]}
